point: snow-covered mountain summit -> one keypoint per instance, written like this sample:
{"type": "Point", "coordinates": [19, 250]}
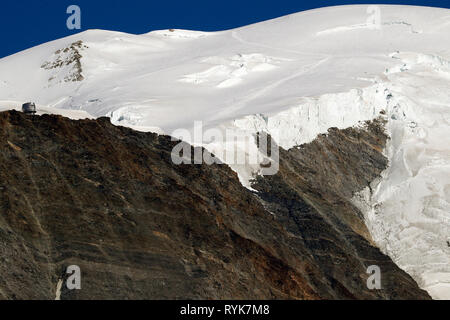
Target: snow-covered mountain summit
{"type": "Point", "coordinates": [145, 80]}
{"type": "Point", "coordinates": [300, 74]}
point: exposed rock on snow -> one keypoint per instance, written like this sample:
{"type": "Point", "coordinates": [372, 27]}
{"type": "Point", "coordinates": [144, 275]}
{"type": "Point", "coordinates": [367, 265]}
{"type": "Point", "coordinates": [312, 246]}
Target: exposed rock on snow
{"type": "Point", "coordinates": [229, 72]}
{"type": "Point", "coordinates": [299, 75]}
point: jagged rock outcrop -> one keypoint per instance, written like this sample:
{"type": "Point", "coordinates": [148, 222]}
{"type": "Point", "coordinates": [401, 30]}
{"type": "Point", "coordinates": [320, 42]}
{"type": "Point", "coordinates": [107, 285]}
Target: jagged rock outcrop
{"type": "Point", "coordinates": [66, 64]}
{"type": "Point", "coordinates": [109, 200]}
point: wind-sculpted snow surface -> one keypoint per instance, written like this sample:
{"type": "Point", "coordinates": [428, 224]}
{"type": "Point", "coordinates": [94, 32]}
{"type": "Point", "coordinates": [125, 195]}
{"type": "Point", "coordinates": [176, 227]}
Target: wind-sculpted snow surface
{"type": "Point", "coordinates": [296, 77]}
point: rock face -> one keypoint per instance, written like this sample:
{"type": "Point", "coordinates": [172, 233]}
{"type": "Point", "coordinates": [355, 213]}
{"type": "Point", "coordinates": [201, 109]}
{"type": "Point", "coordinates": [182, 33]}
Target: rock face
{"type": "Point", "coordinates": [109, 200]}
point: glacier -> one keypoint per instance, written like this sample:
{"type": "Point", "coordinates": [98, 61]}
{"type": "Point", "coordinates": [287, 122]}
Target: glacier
{"type": "Point", "coordinates": [293, 77]}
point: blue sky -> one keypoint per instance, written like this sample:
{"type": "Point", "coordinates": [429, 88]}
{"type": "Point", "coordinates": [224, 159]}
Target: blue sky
{"type": "Point", "coordinates": [24, 24]}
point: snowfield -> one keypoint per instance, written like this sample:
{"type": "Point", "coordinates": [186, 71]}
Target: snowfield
{"type": "Point", "coordinates": [293, 77]}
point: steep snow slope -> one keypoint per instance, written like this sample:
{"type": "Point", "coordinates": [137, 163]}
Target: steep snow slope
{"type": "Point", "coordinates": [294, 77]}
{"type": "Point", "coordinates": [262, 68]}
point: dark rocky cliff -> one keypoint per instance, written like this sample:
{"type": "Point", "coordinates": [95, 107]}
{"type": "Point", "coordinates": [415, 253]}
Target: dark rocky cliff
{"type": "Point", "coordinates": [109, 200]}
